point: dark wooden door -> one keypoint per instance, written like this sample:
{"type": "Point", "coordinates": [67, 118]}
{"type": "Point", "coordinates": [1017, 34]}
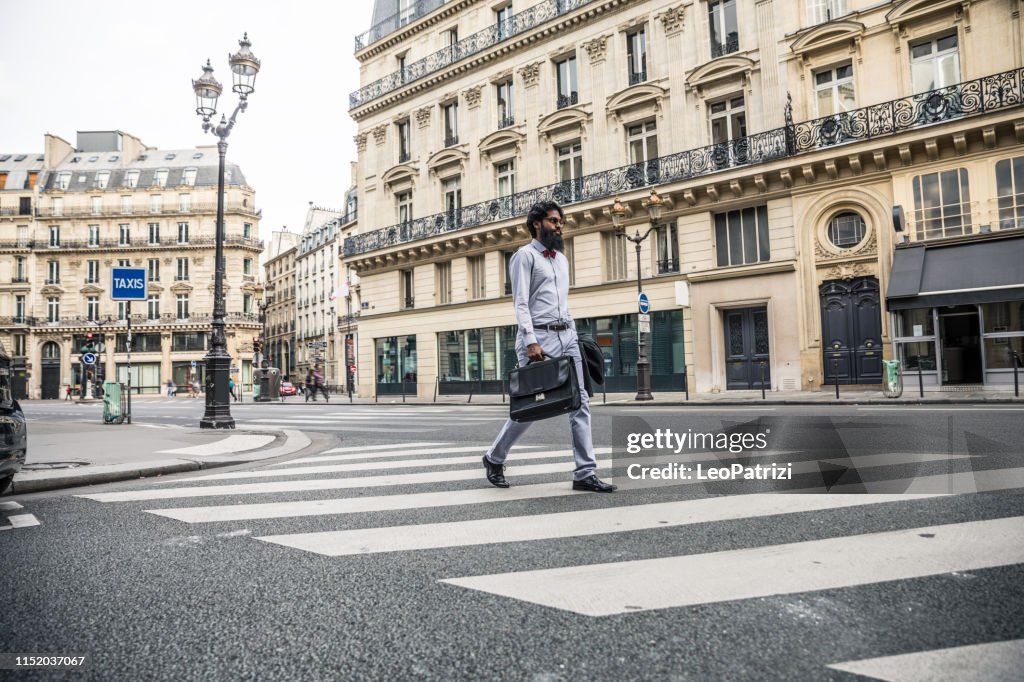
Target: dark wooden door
{"type": "Point", "coordinates": [851, 331]}
{"type": "Point", "coordinates": [747, 349]}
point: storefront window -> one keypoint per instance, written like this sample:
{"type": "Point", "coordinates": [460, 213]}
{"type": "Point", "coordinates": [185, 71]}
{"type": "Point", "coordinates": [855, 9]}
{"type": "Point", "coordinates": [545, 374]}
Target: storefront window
{"type": "Point", "coordinates": [396, 359]}
{"type": "Point", "coordinates": [1003, 317]}
{"type": "Point", "coordinates": [145, 376]}
{"type": "Point", "coordinates": [917, 354]}
{"type": "Point", "coordinates": [182, 373]}
{"type": "Point", "coordinates": [188, 341]}
{"type": "Point", "coordinates": [998, 351]}
{"type": "Point", "coordinates": [916, 322]}
{"type": "Point", "coordinates": [141, 343]}
{"type": "Point", "coordinates": [476, 354]}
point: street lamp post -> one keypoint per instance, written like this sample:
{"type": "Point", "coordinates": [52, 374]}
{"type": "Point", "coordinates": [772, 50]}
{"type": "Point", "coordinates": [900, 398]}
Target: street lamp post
{"type": "Point", "coordinates": [244, 67]}
{"type": "Point", "coordinates": [654, 205]}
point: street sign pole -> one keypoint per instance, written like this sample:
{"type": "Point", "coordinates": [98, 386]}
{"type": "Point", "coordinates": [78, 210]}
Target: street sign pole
{"type": "Point", "coordinates": [128, 314]}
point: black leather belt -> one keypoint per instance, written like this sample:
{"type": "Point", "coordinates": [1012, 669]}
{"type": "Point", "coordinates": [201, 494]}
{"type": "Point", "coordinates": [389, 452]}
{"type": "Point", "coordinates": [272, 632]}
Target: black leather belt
{"type": "Point", "coordinates": [552, 327]}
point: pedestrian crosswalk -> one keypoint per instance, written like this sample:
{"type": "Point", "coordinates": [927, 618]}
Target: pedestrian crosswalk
{"type": "Point", "coordinates": [427, 488]}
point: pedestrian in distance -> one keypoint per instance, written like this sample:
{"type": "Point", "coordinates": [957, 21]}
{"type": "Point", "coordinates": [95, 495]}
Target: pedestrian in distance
{"type": "Point", "coordinates": [319, 385]}
{"type": "Point", "coordinates": [540, 296]}
{"type": "Point", "coordinates": [310, 385]}
{"type": "Point", "coordinates": [231, 389]}
{"type": "Point", "coordinates": [67, 394]}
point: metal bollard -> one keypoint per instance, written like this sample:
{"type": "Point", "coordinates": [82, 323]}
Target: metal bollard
{"type": "Point", "coordinates": [920, 377]}
{"type": "Point", "coordinates": [604, 387]}
{"type": "Point", "coordinates": [686, 385]}
{"type": "Point", "coordinates": [1016, 366]}
{"type": "Point", "coordinates": [503, 391]}
{"type": "Point", "coordinates": [835, 376]}
{"type": "Point", "coordinates": [762, 380]}
{"type": "Point", "coordinates": [437, 382]}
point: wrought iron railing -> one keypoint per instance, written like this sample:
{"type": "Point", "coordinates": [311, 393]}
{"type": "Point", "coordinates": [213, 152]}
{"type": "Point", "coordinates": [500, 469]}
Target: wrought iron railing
{"type": "Point", "coordinates": [668, 265]}
{"type": "Point", "coordinates": [17, 243]}
{"type": "Point", "coordinates": [731, 44]}
{"type": "Point", "coordinates": [568, 100]}
{"type": "Point", "coordinates": [76, 244]}
{"type": "Point", "coordinates": [971, 98]}
{"type": "Point", "coordinates": [403, 157]}
{"type": "Point", "coordinates": [506, 121]}
{"type": "Point", "coordinates": [139, 319]}
{"type": "Point", "coordinates": [146, 211]}
{"type": "Point", "coordinates": [637, 77]}
{"type": "Point", "coordinates": [396, 21]}
{"type": "Point", "coordinates": [478, 42]}
{"type": "Point", "coordinates": [451, 140]}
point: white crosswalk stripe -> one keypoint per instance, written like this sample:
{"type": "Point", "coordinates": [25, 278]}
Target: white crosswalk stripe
{"type": "Point", "coordinates": [355, 483]}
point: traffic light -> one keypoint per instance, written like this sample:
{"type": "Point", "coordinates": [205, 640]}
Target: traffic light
{"type": "Point", "coordinates": [257, 344]}
{"type": "Point", "coordinates": [89, 345]}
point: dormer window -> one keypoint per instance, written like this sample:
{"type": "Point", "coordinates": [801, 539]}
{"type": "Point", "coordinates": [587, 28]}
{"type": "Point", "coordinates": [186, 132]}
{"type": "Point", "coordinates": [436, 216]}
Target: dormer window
{"type": "Point", "coordinates": [188, 177]}
{"type": "Point", "coordinates": [160, 178]}
{"type": "Point", "coordinates": [102, 178]}
{"type": "Point", "coordinates": [131, 178]}
{"type": "Point", "coordinates": [63, 179]}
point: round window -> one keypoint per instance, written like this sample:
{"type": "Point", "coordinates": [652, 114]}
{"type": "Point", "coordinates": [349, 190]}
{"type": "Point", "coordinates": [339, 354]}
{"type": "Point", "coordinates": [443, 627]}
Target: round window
{"type": "Point", "coordinates": [846, 230]}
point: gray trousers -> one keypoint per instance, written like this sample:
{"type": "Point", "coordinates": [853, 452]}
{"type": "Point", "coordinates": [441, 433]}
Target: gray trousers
{"type": "Point", "coordinates": [554, 344]}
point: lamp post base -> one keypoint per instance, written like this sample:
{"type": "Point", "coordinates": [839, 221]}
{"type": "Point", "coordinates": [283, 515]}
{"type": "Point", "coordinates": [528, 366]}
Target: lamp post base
{"type": "Point", "coordinates": [218, 405]}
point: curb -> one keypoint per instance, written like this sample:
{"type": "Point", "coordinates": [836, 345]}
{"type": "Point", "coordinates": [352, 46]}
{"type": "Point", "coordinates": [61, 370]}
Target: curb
{"type": "Point", "coordinates": [26, 482]}
{"type": "Point", "coordinates": [869, 401]}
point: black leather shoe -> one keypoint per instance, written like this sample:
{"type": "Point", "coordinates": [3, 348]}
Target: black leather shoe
{"type": "Point", "coordinates": [594, 484]}
{"type": "Point", "coordinates": [495, 473]}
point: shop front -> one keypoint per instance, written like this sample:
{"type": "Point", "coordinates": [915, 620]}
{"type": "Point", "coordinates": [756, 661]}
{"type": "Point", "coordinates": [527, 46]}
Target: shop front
{"type": "Point", "coordinates": [396, 371]}
{"type": "Point", "coordinates": [957, 312]}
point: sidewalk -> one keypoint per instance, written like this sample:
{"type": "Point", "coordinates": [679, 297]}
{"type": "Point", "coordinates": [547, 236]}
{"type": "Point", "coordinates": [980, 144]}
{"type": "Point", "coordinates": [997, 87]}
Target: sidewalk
{"type": "Point", "coordinates": [64, 454]}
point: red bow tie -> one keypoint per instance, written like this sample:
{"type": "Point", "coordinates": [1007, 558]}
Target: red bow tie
{"type": "Point", "coordinates": [550, 254]}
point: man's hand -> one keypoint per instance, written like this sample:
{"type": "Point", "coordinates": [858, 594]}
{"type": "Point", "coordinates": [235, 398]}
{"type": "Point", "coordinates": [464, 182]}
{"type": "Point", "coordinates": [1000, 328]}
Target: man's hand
{"type": "Point", "coordinates": [534, 352]}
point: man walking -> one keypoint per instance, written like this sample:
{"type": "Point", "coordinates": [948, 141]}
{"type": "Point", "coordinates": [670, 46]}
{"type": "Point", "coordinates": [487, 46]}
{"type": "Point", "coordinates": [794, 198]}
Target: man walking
{"type": "Point", "coordinates": [310, 386]}
{"type": "Point", "coordinates": [319, 385]}
{"type": "Point", "coordinates": [540, 293]}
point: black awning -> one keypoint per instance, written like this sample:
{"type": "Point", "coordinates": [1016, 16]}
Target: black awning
{"type": "Point", "coordinates": [926, 276]}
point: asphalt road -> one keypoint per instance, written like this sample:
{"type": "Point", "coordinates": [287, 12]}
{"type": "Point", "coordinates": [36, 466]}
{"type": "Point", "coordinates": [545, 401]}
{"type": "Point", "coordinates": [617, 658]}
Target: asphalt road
{"type": "Point", "coordinates": [223, 578]}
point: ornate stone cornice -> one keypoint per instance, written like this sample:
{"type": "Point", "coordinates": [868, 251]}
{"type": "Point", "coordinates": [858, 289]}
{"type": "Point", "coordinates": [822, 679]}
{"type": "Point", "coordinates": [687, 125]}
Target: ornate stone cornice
{"type": "Point", "coordinates": [530, 74]}
{"type": "Point", "coordinates": [597, 49]}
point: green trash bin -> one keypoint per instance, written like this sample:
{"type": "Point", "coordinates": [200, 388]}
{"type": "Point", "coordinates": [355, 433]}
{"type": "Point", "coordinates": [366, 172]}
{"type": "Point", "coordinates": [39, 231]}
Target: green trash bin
{"type": "Point", "coordinates": [892, 380]}
{"type": "Point", "coordinates": [112, 411]}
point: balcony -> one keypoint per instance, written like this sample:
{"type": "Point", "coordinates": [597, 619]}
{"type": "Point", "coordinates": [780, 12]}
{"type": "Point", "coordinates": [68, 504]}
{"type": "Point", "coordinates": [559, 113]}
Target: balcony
{"type": "Point", "coordinates": [521, 22]}
{"type": "Point", "coordinates": [19, 280]}
{"type": "Point", "coordinates": [506, 121]}
{"type": "Point", "coordinates": [169, 211]}
{"type": "Point", "coordinates": [731, 44]}
{"type": "Point", "coordinates": [997, 92]}
{"type": "Point", "coordinates": [668, 265]}
{"type": "Point", "coordinates": [569, 100]}
{"type": "Point", "coordinates": [637, 77]}
{"type": "Point", "coordinates": [396, 21]}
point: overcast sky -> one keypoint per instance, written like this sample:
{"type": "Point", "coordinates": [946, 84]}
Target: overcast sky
{"type": "Point", "coordinates": [69, 65]}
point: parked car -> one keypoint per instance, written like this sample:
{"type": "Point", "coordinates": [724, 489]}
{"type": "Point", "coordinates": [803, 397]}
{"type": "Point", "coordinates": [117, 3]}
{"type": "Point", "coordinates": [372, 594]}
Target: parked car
{"type": "Point", "coordinates": [287, 388]}
{"type": "Point", "coordinates": [13, 431]}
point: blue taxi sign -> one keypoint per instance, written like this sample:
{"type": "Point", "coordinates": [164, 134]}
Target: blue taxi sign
{"type": "Point", "coordinates": [128, 284]}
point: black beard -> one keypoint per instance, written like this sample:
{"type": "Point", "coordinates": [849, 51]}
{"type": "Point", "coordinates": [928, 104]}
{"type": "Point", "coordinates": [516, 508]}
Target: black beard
{"type": "Point", "coordinates": [552, 240]}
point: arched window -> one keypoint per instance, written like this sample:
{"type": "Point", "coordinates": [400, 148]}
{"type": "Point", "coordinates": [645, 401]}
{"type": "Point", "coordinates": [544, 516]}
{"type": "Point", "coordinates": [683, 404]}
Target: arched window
{"type": "Point", "coordinates": [51, 351]}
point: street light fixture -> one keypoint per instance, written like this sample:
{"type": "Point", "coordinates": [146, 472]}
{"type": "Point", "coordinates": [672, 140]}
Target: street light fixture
{"type": "Point", "coordinates": [654, 205]}
{"type": "Point", "coordinates": [244, 67]}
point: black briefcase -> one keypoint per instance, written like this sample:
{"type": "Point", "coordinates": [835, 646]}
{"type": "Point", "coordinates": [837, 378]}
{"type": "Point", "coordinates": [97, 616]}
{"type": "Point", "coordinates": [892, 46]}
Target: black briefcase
{"type": "Point", "coordinates": [543, 389]}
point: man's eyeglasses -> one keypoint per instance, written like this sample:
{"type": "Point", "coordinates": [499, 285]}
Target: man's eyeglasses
{"type": "Point", "coordinates": [557, 222]}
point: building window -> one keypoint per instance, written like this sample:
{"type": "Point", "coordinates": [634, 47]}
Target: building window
{"type": "Point", "coordinates": [247, 266]}
{"type": "Point", "coordinates": [846, 230]}
{"type": "Point", "coordinates": [725, 36]}
{"type": "Point", "coordinates": [643, 142]}
{"type": "Point", "coordinates": [614, 250]}
{"type": "Point", "coordinates": [54, 235]}
{"type": "Point", "coordinates": [247, 303]}
{"type": "Point", "coordinates": [506, 113]}
{"type": "Point", "coordinates": [156, 203]}
{"type": "Point", "coordinates": [820, 11]}
{"type": "Point", "coordinates": [92, 308]}
{"type": "Point", "coordinates": [52, 309]}
{"type": "Point", "coordinates": [182, 306]}
{"type": "Point", "coordinates": [741, 237]}
{"type": "Point", "coordinates": [451, 124]}
{"type": "Point", "coordinates": [935, 63]}
{"type": "Point", "coordinates": [153, 307]}
{"type": "Point", "coordinates": [506, 174]}
{"type": "Point", "coordinates": [94, 235]}
{"type": "Point", "coordinates": [477, 276]}
{"type": "Point", "coordinates": [122, 310]}
{"type": "Point", "coordinates": [246, 230]}
{"type": "Point", "coordinates": [667, 244]}
{"type": "Point", "coordinates": [636, 56]}
{"type": "Point", "coordinates": [63, 180]}
{"type": "Point", "coordinates": [96, 205]}
{"type": "Point", "coordinates": [184, 203]}
{"type": "Point", "coordinates": [834, 90]}
{"type": "Point", "coordinates": [568, 94]}
{"type": "Point", "coordinates": [123, 263]}
{"type": "Point", "coordinates": [444, 282]}
{"type": "Point", "coordinates": [728, 124]}
{"type": "Point", "coordinates": [19, 309]}
{"type": "Point", "coordinates": [57, 206]}
{"type": "Point", "coordinates": [452, 188]}
{"type": "Point", "coordinates": [1010, 192]}
{"type": "Point", "coordinates": [153, 270]}
{"type": "Point", "coordinates": [93, 275]}
{"type": "Point", "coordinates": [19, 345]}
{"type": "Point", "coordinates": [183, 233]}
{"type": "Point", "coordinates": [451, 41]}
{"type": "Point", "coordinates": [53, 272]}
{"type": "Point", "coordinates": [160, 177]}
{"type": "Point", "coordinates": [131, 179]}
{"type": "Point", "coordinates": [506, 259]}
{"type": "Point", "coordinates": [154, 233]}
{"type": "Point", "coordinates": [503, 21]}
{"type": "Point", "coordinates": [181, 273]}
{"type": "Point", "coordinates": [187, 341]}
{"type": "Point", "coordinates": [188, 177]}
{"type": "Point", "coordinates": [570, 257]}
{"type": "Point", "coordinates": [19, 269]}
{"type": "Point", "coordinates": [403, 141]}
{"type": "Point", "coordinates": [403, 204]}
{"type": "Point", "coordinates": [125, 238]}
{"type": "Point", "coordinates": [127, 206]}
{"type": "Point", "coordinates": [942, 203]}
{"type": "Point", "coordinates": [570, 169]}
{"type": "Point", "coordinates": [407, 289]}
{"type": "Point", "coordinates": [102, 179]}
